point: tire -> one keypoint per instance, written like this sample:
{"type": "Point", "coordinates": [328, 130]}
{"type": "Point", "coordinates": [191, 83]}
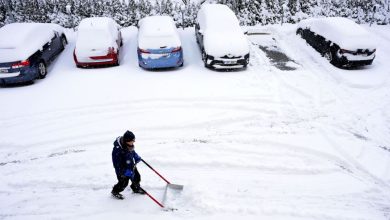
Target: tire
{"type": "Point", "coordinates": [299, 32]}
{"type": "Point", "coordinates": [204, 58]}
{"type": "Point", "coordinates": [42, 70]}
{"type": "Point", "coordinates": [64, 42]}
{"type": "Point", "coordinates": [329, 56]}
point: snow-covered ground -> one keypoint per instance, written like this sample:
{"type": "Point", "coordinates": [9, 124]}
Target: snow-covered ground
{"type": "Point", "coordinates": [263, 143]}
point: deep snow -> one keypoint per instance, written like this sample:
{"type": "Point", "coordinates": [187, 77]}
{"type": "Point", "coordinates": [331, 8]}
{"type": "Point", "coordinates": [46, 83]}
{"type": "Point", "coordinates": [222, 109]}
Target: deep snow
{"type": "Point", "coordinates": [261, 143]}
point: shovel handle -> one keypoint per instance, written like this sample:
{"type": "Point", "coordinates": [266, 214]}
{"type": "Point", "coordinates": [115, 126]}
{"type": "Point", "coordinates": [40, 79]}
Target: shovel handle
{"type": "Point", "coordinates": [155, 200]}
{"type": "Point", "coordinates": [155, 171]}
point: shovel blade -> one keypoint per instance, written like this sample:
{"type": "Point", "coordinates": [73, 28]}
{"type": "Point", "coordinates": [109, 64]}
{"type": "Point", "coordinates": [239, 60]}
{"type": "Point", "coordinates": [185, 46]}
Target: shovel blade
{"type": "Point", "coordinates": [175, 186]}
{"type": "Point", "coordinates": [171, 194]}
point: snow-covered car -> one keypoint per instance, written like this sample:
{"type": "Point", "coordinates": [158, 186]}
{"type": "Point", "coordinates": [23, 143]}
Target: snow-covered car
{"type": "Point", "coordinates": [26, 50]}
{"type": "Point", "coordinates": [98, 43]}
{"type": "Point", "coordinates": [221, 40]}
{"type": "Point", "coordinates": [159, 44]}
{"type": "Point", "coordinates": [340, 40]}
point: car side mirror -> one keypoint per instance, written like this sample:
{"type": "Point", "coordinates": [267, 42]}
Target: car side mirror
{"type": "Point", "coordinates": [244, 30]}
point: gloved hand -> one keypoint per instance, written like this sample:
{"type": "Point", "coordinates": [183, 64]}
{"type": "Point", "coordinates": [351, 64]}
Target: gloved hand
{"type": "Point", "coordinates": [129, 173]}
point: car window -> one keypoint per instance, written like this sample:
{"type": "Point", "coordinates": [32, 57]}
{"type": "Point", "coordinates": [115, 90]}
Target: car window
{"type": "Point", "coordinates": [54, 36]}
{"type": "Point", "coordinates": [46, 46]}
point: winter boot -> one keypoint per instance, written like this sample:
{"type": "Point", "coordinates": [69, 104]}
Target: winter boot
{"type": "Point", "coordinates": [137, 189]}
{"type": "Point", "coordinates": [117, 195]}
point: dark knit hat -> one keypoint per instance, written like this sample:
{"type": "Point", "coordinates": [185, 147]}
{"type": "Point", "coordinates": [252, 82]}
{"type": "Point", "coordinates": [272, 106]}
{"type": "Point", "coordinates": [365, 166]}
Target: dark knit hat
{"type": "Point", "coordinates": [128, 136]}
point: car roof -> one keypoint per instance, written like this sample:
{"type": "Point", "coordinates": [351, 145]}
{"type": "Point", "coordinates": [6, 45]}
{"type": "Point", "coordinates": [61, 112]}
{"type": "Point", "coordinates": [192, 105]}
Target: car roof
{"type": "Point", "coordinates": [217, 16]}
{"type": "Point", "coordinates": [97, 23]}
{"type": "Point", "coordinates": [16, 34]}
{"type": "Point", "coordinates": [157, 26]}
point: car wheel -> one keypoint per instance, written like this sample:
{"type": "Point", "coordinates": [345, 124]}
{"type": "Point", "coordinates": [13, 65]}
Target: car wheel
{"type": "Point", "coordinates": [299, 32]}
{"type": "Point", "coordinates": [329, 56]}
{"type": "Point", "coordinates": [204, 58]}
{"type": "Point", "coordinates": [42, 70]}
{"type": "Point", "coordinates": [64, 42]}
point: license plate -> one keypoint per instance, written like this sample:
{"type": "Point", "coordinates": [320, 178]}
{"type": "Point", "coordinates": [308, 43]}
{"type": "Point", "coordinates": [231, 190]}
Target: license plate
{"type": "Point", "coordinates": [3, 70]}
{"type": "Point", "coordinates": [229, 62]}
{"type": "Point", "coordinates": [165, 54]}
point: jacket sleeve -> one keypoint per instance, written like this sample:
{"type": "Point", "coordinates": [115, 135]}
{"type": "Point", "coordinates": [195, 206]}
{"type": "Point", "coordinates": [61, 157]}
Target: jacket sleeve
{"type": "Point", "coordinates": [116, 160]}
{"type": "Point", "coordinates": [137, 158]}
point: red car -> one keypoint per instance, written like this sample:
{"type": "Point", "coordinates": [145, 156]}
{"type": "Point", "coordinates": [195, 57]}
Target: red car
{"type": "Point", "coordinates": [98, 43]}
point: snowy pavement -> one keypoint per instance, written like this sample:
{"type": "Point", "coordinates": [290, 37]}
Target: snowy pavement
{"type": "Point", "coordinates": [310, 143]}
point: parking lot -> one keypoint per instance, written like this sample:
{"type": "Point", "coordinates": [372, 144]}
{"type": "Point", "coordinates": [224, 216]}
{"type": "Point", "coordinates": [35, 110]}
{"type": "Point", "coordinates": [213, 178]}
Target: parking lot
{"type": "Point", "coordinates": [291, 122]}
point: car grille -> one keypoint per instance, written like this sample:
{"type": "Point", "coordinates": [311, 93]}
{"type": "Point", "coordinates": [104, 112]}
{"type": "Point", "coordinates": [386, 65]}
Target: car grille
{"type": "Point", "coordinates": [363, 51]}
{"type": "Point", "coordinates": [231, 57]}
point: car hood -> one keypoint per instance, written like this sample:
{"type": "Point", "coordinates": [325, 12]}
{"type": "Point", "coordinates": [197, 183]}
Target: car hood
{"type": "Point", "coordinates": [221, 44]}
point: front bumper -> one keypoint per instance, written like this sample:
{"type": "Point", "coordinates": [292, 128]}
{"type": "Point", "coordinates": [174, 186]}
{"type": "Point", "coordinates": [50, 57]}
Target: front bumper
{"type": "Point", "coordinates": [354, 60]}
{"type": "Point", "coordinates": [227, 63]}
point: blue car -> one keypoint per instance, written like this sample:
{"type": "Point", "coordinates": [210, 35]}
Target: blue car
{"type": "Point", "coordinates": [26, 50]}
{"type": "Point", "coordinates": [159, 44]}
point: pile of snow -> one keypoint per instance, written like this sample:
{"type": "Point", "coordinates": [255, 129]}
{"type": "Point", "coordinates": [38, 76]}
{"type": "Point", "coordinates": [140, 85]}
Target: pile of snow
{"type": "Point", "coordinates": [157, 32]}
{"type": "Point", "coordinates": [342, 31]}
{"type": "Point", "coordinates": [222, 32]}
{"type": "Point", "coordinates": [18, 41]}
{"type": "Point", "coordinates": [96, 35]}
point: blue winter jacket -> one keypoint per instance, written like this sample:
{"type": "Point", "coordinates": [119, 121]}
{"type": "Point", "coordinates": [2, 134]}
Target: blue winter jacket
{"type": "Point", "coordinates": [122, 158]}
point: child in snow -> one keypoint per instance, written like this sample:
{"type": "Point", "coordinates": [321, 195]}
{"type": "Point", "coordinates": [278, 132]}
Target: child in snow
{"type": "Point", "coordinates": [125, 159]}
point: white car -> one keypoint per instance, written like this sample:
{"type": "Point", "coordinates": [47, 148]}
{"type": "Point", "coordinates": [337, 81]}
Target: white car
{"type": "Point", "coordinates": [340, 40]}
{"type": "Point", "coordinates": [98, 42]}
{"type": "Point", "coordinates": [222, 42]}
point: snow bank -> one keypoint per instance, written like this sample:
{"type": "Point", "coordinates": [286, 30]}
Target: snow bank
{"type": "Point", "coordinates": [156, 32]}
{"type": "Point", "coordinates": [18, 41]}
{"type": "Point", "coordinates": [342, 31]}
{"type": "Point", "coordinates": [217, 22]}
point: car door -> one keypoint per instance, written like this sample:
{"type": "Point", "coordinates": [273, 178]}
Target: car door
{"type": "Point", "coordinates": [199, 35]}
{"type": "Point", "coordinates": [46, 52]}
{"type": "Point", "coordinates": [56, 44]}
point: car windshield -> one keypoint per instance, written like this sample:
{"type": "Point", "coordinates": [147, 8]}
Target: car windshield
{"type": "Point", "coordinates": [157, 42]}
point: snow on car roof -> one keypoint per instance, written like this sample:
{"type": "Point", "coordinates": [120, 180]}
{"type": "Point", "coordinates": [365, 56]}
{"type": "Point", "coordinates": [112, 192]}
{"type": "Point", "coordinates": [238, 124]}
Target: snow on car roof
{"type": "Point", "coordinates": [156, 32]}
{"type": "Point", "coordinates": [342, 31]}
{"type": "Point", "coordinates": [97, 23]}
{"type": "Point", "coordinates": [217, 17]}
{"type": "Point", "coordinates": [157, 26]}
{"type": "Point", "coordinates": [18, 41]}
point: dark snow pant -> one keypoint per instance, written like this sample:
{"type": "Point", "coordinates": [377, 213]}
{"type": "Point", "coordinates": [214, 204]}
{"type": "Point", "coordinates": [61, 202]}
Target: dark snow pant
{"type": "Point", "coordinates": [123, 181]}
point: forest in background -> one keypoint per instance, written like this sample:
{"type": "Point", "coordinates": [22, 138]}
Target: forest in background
{"type": "Point", "coordinates": [69, 13]}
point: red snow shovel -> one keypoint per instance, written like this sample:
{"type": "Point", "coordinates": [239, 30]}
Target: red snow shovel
{"type": "Point", "coordinates": [169, 185]}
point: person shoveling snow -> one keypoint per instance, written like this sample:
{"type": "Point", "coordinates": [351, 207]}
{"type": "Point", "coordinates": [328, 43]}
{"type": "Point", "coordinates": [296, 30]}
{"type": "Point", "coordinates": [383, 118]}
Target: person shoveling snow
{"type": "Point", "coordinates": [124, 159]}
